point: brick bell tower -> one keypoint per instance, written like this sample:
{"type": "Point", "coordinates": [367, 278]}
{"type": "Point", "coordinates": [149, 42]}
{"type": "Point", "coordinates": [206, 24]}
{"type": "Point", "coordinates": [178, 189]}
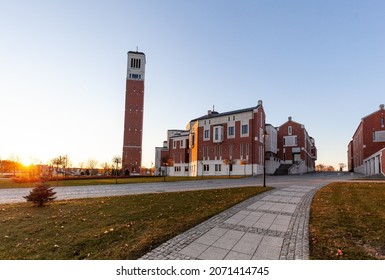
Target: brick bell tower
{"type": "Point", "coordinates": [133, 116]}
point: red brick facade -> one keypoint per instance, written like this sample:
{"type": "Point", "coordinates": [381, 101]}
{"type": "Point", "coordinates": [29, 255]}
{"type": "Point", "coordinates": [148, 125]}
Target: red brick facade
{"type": "Point", "coordinates": [133, 119]}
{"type": "Point", "coordinates": [238, 146]}
{"type": "Point", "coordinates": [295, 146]}
{"type": "Point", "coordinates": [364, 154]}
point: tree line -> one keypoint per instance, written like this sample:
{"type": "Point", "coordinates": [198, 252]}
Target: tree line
{"type": "Point", "coordinates": [60, 165]}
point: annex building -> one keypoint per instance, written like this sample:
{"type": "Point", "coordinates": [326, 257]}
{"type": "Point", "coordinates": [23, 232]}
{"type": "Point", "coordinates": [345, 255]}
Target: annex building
{"type": "Point", "coordinates": [366, 150]}
{"type": "Point", "coordinates": [237, 142]}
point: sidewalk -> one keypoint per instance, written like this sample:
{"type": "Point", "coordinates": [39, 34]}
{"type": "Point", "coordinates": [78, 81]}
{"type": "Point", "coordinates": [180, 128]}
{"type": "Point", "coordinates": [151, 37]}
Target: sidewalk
{"type": "Point", "coordinates": [270, 226]}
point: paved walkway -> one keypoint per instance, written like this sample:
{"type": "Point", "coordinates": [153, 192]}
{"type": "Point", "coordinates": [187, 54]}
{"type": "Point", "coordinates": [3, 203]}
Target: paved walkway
{"type": "Point", "coordinates": [270, 226]}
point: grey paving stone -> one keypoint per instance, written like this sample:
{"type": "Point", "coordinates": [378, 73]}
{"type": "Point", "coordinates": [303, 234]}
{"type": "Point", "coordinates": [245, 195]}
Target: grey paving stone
{"type": "Point", "coordinates": [217, 231]}
{"type": "Point", "coordinates": [214, 253]}
{"type": "Point", "coordinates": [229, 239]}
{"type": "Point", "coordinates": [194, 250]}
{"type": "Point", "coordinates": [207, 239]}
{"type": "Point", "coordinates": [265, 252]}
{"type": "Point", "coordinates": [248, 244]}
{"type": "Point", "coordinates": [237, 256]}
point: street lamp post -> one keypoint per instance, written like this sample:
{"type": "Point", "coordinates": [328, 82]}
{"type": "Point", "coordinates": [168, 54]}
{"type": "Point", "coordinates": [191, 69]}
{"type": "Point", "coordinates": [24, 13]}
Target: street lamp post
{"type": "Point", "coordinates": [264, 158]}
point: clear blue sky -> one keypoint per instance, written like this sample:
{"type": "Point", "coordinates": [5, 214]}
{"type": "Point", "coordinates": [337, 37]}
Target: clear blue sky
{"type": "Point", "coordinates": [63, 68]}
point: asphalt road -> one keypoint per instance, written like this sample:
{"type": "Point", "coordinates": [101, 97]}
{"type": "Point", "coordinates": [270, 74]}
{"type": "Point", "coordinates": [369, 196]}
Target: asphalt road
{"type": "Point", "coordinates": [314, 179]}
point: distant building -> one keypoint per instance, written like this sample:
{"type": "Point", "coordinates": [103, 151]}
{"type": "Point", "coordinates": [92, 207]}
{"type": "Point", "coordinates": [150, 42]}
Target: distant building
{"type": "Point", "coordinates": [296, 149]}
{"type": "Point", "coordinates": [366, 150]}
{"type": "Point", "coordinates": [133, 116]}
{"type": "Point", "coordinates": [163, 158]}
{"type": "Point", "coordinates": [271, 155]}
{"type": "Point", "coordinates": [234, 143]}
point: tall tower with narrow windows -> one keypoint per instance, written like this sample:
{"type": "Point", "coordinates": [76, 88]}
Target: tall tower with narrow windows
{"type": "Point", "coordinates": [133, 117]}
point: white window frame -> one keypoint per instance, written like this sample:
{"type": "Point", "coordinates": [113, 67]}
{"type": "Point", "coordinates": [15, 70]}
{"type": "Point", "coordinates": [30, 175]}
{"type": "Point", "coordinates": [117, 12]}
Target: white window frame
{"type": "Point", "coordinates": [206, 134]}
{"type": "Point", "coordinates": [289, 130]}
{"type": "Point", "coordinates": [243, 134]}
{"type": "Point", "coordinates": [233, 131]}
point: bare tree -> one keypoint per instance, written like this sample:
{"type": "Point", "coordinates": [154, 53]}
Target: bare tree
{"type": "Point", "coordinates": [92, 163]}
{"type": "Point", "coordinates": [342, 166]}
{"type": "Point", "coordinates": [81, 165]}
{"type": "Point", "coordinates": [106, 168]}
{"type": "Point", "coordinates": [116, 160]}
{"type": "Point", "coordinates": [320, 167]}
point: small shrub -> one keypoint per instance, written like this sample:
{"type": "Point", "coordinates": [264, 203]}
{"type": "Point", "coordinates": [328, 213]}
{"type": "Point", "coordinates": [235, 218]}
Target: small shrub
{"type": "Point", "coordinates": [41, 194]}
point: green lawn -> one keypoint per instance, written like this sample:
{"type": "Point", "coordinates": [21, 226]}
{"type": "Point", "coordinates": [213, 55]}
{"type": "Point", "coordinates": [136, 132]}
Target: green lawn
{"type": "Point", "coordinates": [348, 222]}
{"type": "Point", "coordinates": [123, 227]}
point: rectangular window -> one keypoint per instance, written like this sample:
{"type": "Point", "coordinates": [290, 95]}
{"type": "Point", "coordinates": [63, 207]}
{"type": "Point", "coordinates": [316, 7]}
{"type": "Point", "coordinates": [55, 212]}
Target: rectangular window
{"type": "Point", "coordinates": [135, 76]}
{"type": "Point", "coordinates": [177, 169]}
{"type": "Point", "coordinates": [382, 122]}
{"type": "Point", "coordinates": [289, 130]}
{"type": "Point", "coordinates": [231, 131]}
{"type": "Point", "coordinates": [207, 134]}
{"type": "Point", "coordinates": [245, 129]}
{"type": "Point", "coordinates": [379, 136]}
{"type": "Point", "coordinates": [206, 167]}
{"type": "Point", "coordinates": [290, 141]}
{"type": "Point", "coordinates": [218, 134]}
{"type": "Point", "coordinates": [218, 167]}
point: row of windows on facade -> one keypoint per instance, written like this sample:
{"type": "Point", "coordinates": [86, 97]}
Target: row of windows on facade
{"type": "Point", "coordinates": [230, 131]}
{"type": "Point", "coordinates": [218, 132]}
{"type": "Point", "coordinates": [135, 63]}
{"type": "Point", "coordinates": [218, 151]}
{"type": "Point", "coordinates": [218, 135]}
{"type": "Point", "coordinates": [206, 168]}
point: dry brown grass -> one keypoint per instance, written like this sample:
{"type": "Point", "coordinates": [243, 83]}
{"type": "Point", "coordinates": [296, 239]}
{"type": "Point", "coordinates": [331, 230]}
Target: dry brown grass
{"type": "Point", "coordinates": [348, 222]}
